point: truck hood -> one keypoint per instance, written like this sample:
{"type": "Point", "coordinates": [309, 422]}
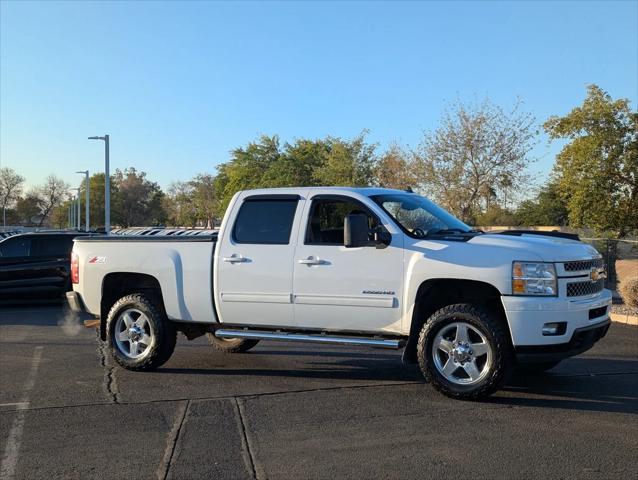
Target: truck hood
{"type": "Point", "coordinates": [549, 249]}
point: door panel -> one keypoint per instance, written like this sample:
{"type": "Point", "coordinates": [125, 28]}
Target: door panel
{"type": "Point", "coordinates": [254, 261]}
{"type": "Point", "coordinates": [339, 288]}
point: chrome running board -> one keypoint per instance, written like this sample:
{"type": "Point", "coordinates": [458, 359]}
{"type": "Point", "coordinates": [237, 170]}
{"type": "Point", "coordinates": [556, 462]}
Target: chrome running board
{"type": "Point", "coordinates": [316, 338]}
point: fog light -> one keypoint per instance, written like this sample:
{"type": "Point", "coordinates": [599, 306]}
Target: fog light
{"type": "Point", "coordinates": [557, 328]}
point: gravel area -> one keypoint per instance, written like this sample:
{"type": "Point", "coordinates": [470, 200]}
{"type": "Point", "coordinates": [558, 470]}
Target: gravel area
{"type": "Point", "coordinates": [624, 309]}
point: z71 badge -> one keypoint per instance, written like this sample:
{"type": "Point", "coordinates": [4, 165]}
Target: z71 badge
{"type": "Point", "coordinates": [97, 259]}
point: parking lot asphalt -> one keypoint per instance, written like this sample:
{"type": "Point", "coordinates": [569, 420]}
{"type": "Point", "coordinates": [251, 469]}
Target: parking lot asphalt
{"type": "Point", "coordinates": [299, 411]}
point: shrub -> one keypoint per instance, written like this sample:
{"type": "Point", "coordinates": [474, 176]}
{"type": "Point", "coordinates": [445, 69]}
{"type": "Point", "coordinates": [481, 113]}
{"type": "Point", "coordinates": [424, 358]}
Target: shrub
{"type": "Point", "coordinates": [629, 291]}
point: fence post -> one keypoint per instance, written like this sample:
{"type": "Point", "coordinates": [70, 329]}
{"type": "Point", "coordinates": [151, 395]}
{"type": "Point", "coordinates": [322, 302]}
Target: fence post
{"type": "Point", "coordinates": [610, 260]}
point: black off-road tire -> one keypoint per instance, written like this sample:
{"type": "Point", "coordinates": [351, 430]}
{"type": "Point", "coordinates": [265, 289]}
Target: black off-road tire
{"type": "Point", "coordinates": [231, 345]}
{"type": "Point", "coordinates": [164, 333]}
{"type": "Point", "coordinates": [496, 334]}
{"type": "Point", "coordinates": [535, 368]}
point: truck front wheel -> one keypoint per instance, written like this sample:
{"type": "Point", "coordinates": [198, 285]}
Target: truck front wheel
{"type": "Point", "coordinates": [139, 334]}
{"type": "Point", "coordinates": [231, 345]}
{"type": "Point", "coordinates": [464, 352]}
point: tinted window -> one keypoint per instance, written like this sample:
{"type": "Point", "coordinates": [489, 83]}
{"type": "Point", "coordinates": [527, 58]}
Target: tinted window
{"type": "Point", "coordinates": [326, 220]}
{"type": "Point", "coordinates": [53, 245]}
{"type": "Point", "coordinates": [16, 247]}
{"type": "Point", "coordinates": [265, 221]}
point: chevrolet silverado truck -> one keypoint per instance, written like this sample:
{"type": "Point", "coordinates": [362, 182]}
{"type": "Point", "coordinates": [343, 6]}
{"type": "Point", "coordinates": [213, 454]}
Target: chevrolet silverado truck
{"type": "Point", "coordinates": [351, 266]}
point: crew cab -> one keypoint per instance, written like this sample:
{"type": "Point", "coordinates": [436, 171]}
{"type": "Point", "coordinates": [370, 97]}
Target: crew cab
{"type": "Point", "coordinates": [351, 266]}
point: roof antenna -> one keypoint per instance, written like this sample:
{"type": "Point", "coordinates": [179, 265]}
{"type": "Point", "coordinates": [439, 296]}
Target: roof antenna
{"type": "Point", "coordinates": [409, 190]}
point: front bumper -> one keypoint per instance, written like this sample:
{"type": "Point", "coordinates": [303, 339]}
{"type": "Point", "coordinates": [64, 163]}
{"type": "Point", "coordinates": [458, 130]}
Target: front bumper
{"type": "Point", "coordinates": [527, 315]}
{"type": "Point", "coordinates": [582, 340]}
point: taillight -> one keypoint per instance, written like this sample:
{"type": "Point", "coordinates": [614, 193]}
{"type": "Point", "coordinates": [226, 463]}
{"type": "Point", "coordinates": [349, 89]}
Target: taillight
{"type": "Point", "coordinates": [75, 268]}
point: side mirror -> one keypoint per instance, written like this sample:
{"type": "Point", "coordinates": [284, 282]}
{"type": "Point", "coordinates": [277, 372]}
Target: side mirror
{"type": "Point", "coordinates": [382, 238]}
{"type": "Point", "coordinates": [355, 230]}
{"type": "Point", "coordinates": [356, 233]}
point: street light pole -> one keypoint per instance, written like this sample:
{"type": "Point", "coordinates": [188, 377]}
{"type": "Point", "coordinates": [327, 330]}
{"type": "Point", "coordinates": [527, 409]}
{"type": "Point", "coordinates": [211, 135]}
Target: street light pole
{"type": "Point", "coordinates": [86, 199]}
{"type": "Point", "coordinates": [79, 215]}
{"type": "Point", "coordinates": [72, 209]}
{"type": "Point", "coordinates": [75, 206]}
{"type": "Point", "coordinates": [107, 184]}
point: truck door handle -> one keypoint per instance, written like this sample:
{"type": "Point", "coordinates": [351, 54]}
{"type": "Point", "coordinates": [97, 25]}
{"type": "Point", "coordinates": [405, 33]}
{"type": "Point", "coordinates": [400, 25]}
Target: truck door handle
{"type": "Point", "coordinates": [312, 261]}
{"type": "Point", "coordinates": [235, 258]}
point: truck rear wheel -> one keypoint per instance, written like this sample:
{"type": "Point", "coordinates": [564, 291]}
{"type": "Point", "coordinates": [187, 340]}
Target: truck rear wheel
{"type": "Point", "coordinates": [231, 345]}
{"type": "Point", "coordinates": [140, 336]}
{"type": "Point", "coordinates": [464, 352]}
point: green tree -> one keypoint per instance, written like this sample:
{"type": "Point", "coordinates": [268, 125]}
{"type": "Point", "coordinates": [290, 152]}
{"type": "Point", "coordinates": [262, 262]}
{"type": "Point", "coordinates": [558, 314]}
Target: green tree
{"type": "Point", "coordinates": [179, 205]}
{"type": "Point", "coordinates": [266, 163]}
{"type": "Point", "coordinates": [247, 167]}
{"type": "Point", "coordinates": [597, 169]}
{"type": "Point", "coordinates": [96, 198]}
{"type": "Point", "coordinates": [59, 217]}
{"type": "Point", "coordinates": [496, 215]}
{"type": "Point", "coordinates": [297, 164]}
{"type": "Point", "coordinates": [477, 156]}
{"type": "Point", "coordinates": [547, 208]}
{"type": "Point", "coordinates": [348, 163]}
{"type": "Point", "coordinates": [27, 209]}
{"type": "Point", "coordinates": [204, 199]}
{"type": "Point", "coordinates": [136, 200]}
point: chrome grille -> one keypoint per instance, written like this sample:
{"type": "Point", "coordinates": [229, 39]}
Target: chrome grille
{"type": "Point", "coordinates": [581, 265]}
{"type": "Point", "coordinates": [578, 289]}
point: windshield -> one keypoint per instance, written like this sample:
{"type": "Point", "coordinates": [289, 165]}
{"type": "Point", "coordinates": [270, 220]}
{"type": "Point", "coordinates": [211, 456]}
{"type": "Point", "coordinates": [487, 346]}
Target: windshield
{"type": "Point", "coordinates": [418, 216]}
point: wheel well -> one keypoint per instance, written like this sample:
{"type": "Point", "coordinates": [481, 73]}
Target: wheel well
{"type": "Point", "coordinates": [435, 294]}
{"type": "Point", "coordinates": [118, 285]}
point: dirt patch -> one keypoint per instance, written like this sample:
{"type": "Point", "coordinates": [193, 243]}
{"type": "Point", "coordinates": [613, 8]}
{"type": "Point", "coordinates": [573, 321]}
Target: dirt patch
{"type": "Point", "coordinates": [626, 269]}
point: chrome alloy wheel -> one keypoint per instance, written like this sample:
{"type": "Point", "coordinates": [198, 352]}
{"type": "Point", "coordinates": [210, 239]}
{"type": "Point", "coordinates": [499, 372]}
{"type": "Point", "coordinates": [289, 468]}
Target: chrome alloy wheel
{"type": "Point", "coordinates": [462, 354]}
{"type": "Point", "coordinates": [134, 335]}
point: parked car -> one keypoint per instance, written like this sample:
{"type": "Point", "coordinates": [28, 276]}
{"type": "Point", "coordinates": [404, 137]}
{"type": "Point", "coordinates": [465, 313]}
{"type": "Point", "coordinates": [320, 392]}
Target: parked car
{"type": "Point", "coordinates": [35, 265]}
{"type": "Point", "coordinates": [351, 266]}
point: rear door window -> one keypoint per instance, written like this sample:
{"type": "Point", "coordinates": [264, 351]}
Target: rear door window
{"type": "Point", "coordinates": [16, 247]}
{"type": "Point", "coordinates": [265, 221]}
{"type": "Point", "coordinates": [52, 246]}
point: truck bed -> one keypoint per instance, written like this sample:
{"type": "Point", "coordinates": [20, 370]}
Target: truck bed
{"type": "Point", "coordinates": [182, 265]}
{"type": "Point", "coordinates": [143, 238]}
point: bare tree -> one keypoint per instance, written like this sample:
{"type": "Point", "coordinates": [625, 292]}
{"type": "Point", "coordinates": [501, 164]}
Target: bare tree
{"type": "Point", "coordinates": [51, 194]}
{"type": "Point", "coordinates": [10, 188]}
{"type": "Point", "coordinates": [478, 152]}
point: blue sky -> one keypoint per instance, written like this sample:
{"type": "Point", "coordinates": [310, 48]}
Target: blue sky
{"type": "Point", "coordinates": [177, 85]}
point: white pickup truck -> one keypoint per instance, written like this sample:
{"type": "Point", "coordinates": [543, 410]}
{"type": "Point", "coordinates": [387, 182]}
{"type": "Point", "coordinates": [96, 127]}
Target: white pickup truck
{"type": "Point", "coordinates": [351, 266]}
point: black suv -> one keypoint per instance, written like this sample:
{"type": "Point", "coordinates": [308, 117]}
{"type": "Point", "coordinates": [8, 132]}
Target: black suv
{"type": "Point", "coordinates": [35, 266]}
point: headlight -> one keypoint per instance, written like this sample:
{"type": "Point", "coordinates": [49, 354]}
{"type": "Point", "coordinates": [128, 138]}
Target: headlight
{"type": "Point", "coordinates": [534, 279]}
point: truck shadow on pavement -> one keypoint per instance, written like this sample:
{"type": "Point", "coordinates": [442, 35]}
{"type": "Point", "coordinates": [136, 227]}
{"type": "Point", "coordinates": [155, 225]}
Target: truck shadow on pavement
{"type": "Point", "coordinates": [587, 384]}
{"type": "Point", "coordinates": [584, 384]}
{"type": "Point", "coordinates": [338, 367]}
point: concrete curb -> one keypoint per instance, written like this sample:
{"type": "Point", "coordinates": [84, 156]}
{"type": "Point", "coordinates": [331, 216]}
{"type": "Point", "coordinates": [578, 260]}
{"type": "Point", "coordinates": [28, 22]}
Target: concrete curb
{"type": "Point", "coordinates": [624, 318]}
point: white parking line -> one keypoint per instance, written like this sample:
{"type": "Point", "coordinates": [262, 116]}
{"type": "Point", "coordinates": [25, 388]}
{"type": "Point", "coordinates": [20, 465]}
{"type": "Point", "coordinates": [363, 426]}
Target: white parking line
{"type": "Point", "coordinates": [12, 448]}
